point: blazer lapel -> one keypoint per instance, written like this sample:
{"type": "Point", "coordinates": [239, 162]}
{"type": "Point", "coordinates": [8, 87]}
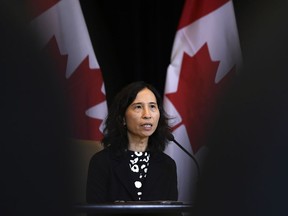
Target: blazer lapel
{"type": "Point", "coordinates": [123, 173]}
{"type": "Point", "coordinates": [154, 176]}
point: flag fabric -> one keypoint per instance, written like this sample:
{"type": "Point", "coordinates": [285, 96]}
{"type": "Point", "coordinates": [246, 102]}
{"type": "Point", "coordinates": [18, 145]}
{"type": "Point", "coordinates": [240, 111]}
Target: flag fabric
{"type": "Point", "coordinates": [206, 55]}
{"type": "Point", "coordinates": [62, 30]}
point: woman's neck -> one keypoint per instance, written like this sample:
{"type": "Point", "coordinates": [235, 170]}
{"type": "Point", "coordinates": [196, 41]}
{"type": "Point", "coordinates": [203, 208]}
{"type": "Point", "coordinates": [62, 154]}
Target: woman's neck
{"type": "Point", "coordinates": [138, 145]}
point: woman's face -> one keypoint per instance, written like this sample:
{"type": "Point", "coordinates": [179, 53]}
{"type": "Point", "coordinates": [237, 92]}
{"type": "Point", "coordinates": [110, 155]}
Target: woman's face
{"type": "Point", "coordinates": [142, 115]}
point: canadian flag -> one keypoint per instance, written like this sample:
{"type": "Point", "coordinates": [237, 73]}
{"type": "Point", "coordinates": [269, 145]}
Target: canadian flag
{"type": "Point", "coordinates": [206, 55]}
{"type": "Point", "coordinates": [62, 30]}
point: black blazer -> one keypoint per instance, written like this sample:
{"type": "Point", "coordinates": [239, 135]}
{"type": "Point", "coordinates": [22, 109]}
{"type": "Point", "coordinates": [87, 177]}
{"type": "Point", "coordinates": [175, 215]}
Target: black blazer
{"type": "Point", "coordinates": [109, 178]}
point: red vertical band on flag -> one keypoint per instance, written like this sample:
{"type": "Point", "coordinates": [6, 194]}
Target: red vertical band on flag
{"type": "Point", "coordinates": [37, 7]}
{"type": "Point", "coordinates": [195, 9]}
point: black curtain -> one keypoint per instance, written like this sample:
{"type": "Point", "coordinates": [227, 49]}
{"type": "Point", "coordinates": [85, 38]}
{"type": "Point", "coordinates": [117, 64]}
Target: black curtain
{"type": "Point", "coordinates": [132, 39]}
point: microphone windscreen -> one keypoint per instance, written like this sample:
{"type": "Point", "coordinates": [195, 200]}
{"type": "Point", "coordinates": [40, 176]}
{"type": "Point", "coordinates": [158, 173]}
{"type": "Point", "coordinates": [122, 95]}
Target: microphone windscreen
{"type": "Point", "coordinates": [171, 137]}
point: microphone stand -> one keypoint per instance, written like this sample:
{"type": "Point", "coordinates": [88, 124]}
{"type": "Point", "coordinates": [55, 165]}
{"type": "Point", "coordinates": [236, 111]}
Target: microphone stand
{"type": "Point", "coordinates": [188, 153]}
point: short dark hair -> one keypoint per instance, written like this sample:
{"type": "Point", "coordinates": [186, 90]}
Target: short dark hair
{"type": "Point", "coordinates": [115, 133]}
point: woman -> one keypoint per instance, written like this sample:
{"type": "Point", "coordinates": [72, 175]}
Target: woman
{"type": "Point", "coordinates": [132, 166]}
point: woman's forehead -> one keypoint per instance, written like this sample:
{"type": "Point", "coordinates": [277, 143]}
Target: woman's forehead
{"type": "Point", "coordinates": [145, 95]}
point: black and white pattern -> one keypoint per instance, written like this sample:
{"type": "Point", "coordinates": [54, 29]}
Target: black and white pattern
{"type": "Point", "coordinates": [139, 163]}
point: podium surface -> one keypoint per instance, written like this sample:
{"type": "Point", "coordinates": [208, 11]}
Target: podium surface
{"type": "Point", "coordinates": [134, 207]}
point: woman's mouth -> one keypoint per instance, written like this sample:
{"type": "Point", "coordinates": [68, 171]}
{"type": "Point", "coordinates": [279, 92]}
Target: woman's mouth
{"type": "Point", "coordinates": [147, 125]}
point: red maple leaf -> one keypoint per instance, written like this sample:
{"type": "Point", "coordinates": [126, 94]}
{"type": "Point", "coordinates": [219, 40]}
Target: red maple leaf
{"type": "Point", "coordinates": [83, 91]}
{"type": "Point", "coordinates": [197, 95]}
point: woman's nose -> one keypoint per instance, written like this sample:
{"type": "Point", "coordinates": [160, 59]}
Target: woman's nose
{"type": "Point", "coordinates": [146, 113]}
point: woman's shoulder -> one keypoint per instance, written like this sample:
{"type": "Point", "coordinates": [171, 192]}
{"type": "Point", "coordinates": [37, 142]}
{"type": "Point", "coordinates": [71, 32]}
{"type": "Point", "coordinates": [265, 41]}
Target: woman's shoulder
{"type": "Point", "coordinates": [100, 155]}
{"type": "Point", "coordinates": [107, 153]}
{"type": "Point", "coordinates": [163, 156]}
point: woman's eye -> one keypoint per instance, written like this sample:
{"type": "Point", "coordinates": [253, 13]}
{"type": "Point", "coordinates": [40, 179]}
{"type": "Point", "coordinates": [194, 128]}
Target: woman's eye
{"type": "Point", "coordinates": [138, 107]}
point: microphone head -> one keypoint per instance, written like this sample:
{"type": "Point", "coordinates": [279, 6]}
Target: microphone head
{"type": "Point", "coordinates": [170, 137]}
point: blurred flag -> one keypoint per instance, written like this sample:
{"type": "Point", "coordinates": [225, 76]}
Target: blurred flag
{"type": "Point", "coordinates": [206, 55]}
{"type": "Point", "coordinates": [62, 30]}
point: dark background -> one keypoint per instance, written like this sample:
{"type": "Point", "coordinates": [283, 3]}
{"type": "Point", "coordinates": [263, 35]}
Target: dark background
{"type": "Point", "coordinates": [132, 39]}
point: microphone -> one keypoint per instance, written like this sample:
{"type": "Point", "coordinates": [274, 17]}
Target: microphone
{"type": "Point", "coordinates": [171, 138]}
